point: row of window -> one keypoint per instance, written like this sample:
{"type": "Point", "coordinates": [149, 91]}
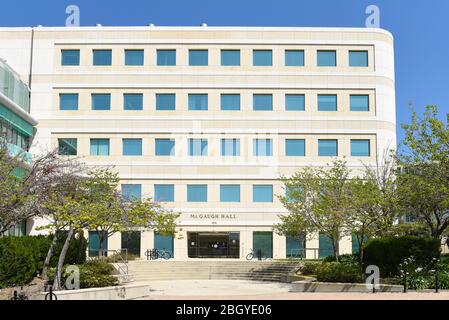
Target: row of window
{"type": "Point", "coordinates": [200, 57]}
{"type": "Point", "coordinates": [229, 147]}
{"type": "Point", "coordinates": [14, 136]}
{"type": "Point", "coordinates": [228, 102]}
{"type": "Point", "coordinates": [198, 192]}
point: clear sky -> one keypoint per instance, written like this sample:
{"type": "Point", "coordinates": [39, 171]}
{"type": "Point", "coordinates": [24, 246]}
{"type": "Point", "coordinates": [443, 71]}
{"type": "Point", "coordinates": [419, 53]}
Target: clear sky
{"type": "Point", "coordinates": [421, 29]}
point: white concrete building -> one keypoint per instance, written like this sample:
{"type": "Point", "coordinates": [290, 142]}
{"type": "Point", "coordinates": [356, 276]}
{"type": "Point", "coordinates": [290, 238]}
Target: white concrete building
{"type": "Point", "coordinates": [207, 119]}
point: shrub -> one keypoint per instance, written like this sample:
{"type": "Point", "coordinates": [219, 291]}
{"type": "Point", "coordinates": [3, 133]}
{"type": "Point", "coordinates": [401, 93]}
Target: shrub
{"type": "Point", "coordinates": [338, 272]}
{"type": "Point", "coordinates": [17, 264]}
{"type": "Point", "coordinates": [389, 253]}
{"type": "Point", "coordinates": [348, 259]}
{"type": "Point", "coordinates": [309, 268]}
{"type": "Point", "coordinates": [76, 254]}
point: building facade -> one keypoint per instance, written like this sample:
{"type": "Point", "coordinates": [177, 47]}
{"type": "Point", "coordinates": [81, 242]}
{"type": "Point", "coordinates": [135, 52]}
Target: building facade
{"type": "Point", "coordinates": [207, 120]}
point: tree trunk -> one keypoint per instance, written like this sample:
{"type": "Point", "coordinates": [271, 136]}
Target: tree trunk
{"type": "Point", "coordinates": [80, 247]}
{"type": "Point", "coordinates": [49, 255]}
{"type": "Point", "coordinates": [336, 246]}
{"type": "Point", "coordinates": [57, 282]}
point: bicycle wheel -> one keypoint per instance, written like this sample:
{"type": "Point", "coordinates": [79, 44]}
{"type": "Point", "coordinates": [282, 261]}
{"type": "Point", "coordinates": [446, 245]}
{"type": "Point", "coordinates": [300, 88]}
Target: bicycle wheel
{"type": "Point", "coordinates": [167, 255]}
{"type": "Point", "coordinates": [249, 256]}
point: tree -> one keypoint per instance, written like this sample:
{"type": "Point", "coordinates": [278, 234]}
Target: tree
{"type": "Point", "coordinates": [423, 184]}
{"type": "Point", "coordinates": [317, 200]}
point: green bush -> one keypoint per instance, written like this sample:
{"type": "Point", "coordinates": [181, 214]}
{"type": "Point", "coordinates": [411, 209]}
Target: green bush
{"type": "Point", "coordinates": [338, 272]}
{"type": "Point", "coordinates": [309, 268]}
{"type": "Point", "coordinates": [17, 264]}
{"type": "Point", "coordinates": [348, 259]}
{"type": "Point", "coordinates": [389, 253]}
{"type": "Point", "coordinates": [93, 274]}
{"type": "Point", "coordinates": [76, 254]}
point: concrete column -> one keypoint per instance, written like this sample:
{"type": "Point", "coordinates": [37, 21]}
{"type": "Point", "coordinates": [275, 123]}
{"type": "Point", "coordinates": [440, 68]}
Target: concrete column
{"type": "Point", "coordinates": [146, 242]}
{"type": "Point", "coordinates": [345, 245]}
{"type": "Point", "coordinates": [115, 241]}
{"type": "Point", "coordinates": [279, 246]}
{"type": "Point", "coordinates": [180, 245]}
{"type": "Point", "coordinates": [312, 242]}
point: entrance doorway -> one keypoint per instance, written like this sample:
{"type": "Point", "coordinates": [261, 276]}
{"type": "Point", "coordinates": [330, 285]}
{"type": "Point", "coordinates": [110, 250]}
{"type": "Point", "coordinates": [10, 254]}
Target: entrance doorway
{"type": "Point", "coordinates": [131, 242]}
{"type": "Point", "coordinates": [213, 244]}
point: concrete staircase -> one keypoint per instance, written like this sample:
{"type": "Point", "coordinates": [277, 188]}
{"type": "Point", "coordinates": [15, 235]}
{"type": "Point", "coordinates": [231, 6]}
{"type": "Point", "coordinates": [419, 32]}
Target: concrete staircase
{"type": "Point", "coordinates": [280, 271]}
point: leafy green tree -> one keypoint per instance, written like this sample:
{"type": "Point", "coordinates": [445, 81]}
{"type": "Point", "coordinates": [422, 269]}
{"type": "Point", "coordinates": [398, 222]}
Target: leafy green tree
{"type": "Point", "coordinates": [423, 184]}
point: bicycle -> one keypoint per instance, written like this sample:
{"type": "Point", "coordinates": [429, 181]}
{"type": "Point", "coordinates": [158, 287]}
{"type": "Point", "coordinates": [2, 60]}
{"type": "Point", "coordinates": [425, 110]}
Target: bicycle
{"type": "Point", "coordinates": [163, 254]}
{"type": "Point", "coordinates": [251, 255]}
{"type": "Point", "coordinates": [21, 296]}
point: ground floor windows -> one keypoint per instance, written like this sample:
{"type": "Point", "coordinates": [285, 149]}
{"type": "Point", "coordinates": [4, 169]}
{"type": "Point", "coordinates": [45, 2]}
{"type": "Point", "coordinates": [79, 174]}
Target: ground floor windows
{"type": "Point", "coordinates": [326, 248]}
{"type": "Point", "coordinates": [97, 244]}
{"type": "Point", "coordinates": [263, 241]}
{"type": "Point", "coordinates": [164, 243]}
{"type": "Point", "coordinates": [131, 242]}
{"type": "Point", "coordinates": [295, 247]}
{"type": "Point", "coordinates": [18, 230]}
{"type": "Point", "coordinates": [213, 244]}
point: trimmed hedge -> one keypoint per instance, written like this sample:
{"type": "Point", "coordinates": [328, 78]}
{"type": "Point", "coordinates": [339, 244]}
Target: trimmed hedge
{"type": "Point", "coordinates": [338, 272]}
{"type": "Point", "coordinates": [21, 258]}
{"type": "Point", "coordinates": [388, 253]}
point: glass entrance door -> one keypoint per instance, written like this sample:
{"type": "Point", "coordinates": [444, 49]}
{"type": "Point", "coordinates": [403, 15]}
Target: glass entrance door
{"type": "Point", "coordinates": [213, 245]}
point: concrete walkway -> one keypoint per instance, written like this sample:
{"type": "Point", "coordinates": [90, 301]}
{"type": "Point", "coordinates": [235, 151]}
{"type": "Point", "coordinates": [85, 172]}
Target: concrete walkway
{"type": "Point", "coordinates": [253, 290]}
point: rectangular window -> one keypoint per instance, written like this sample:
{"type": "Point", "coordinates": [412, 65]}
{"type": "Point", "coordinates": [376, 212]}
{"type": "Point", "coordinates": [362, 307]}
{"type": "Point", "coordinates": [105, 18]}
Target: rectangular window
{"type": "Point", "coordinates": [132, 192]}
{"type": "Point", "coordinates": [295, 102]}
{"type": "Point", "coordinates": [295, 147]}
{"type": "Point", "coordinates": [102, 57]}
{"type": "Point", "coordinates": [229, 193]}
{"type": "Point", "coordinates": [99, 147]}
{"type": "Point", "coordinates": [134, 57]}
{"type": "Point", "coordinates": [262, 147]}
{"type": "Point", "coordinates": [198, 102]}
{"type": "Point", "coordinates": [294, 58]}
{"type": "Point", "coordinates": [230, 57]}
{"type": "Point", "coordinates": [198, 58]}
{"type": "Point", "coordinates": [67, 146]}
{"type": "Point", "coordinates": [133, 101]}
{"type": "Point", "coordinates": [230, 102]}
{"type": "Point", "coordinates": [262, 193]}
{"type": "Point", "coordinates": [360, 148]}
{"type": "Point", "coordinates": [197, 147]}
{"type": "Point", "coordinates": [164, 192]}
{"type": "Point", "coordinates": [359, 102]}
{"type": "Point", "coordinates": [101, 101]}
{"type": "Point", "coordinates": [132, 147]}
{"type": "Point", "coordinates": [328, 148]}
{"type": "Point", "coordinates": [327, 102]}
{"type": "Point", "coordinates": [166, 57]}
{"type": "Point", "coordinates": [165, 147]}
{"type": "Point", "coordinates": [327, 58]}
{"type": "Point", "coordinates": [262, 58]}
{"type": "Point", "coordinates": [70, 57]}
{"type": "Point", "coordinates": [196, 193]}
{"type": "Point", "coordinates": [262, 102]}
{"type": "Point", "coordinates": [358, 58]}
{"type": "Point", "coordinates": [165, 101]}
{"type": "Point", "coordinates": [68, 101]}
{"type": "Point", "coordinates": [230, 147]}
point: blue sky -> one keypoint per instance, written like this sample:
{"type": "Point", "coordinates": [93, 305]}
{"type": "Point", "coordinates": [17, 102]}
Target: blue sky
{"type": "Point", "coordinates": [420, 28]}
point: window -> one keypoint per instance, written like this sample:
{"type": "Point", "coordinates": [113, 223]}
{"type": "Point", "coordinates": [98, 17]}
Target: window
{"type": "Point", "coordinates": [196, 193]}
{"type": "Point", "coordinates": [197, 147]}
{"type": "Point", "coordinates": [230, 147]}
{"type": "Point", "coordinates": [164, 192]}
{"type": "Point", "coordinates": [133, 101]}
{"type": "Point", "coordinates": [68, 101]}
{"type": "Point", "coordinates": [230, 57]}
{"type": "Point", "coordinates": [295, 102]}
{"type": "Point", "coordinates": [326, 58]}
{"type": "Point", "coordinates": [198, 102]}
{"type": "Point", "coordinates": [165, 101]}
{"type": "Point", "coordinates": [132, 192]}
{"type": "Point", "coordinates": [294, 58]}
{"type": "Point", "coordinates": [295, 147]}
{"type": "Point", "coordinates": [230, 193]}
{"type": "Point", "coordinates": [101, 101]}
{"type": "Point", "coordinates": [328, 148]}
{"type": "Point", "coordinates": [99, 147]}
{"type": "Point", "coordinates": [262, 147]}
{"type": "Point", "coordinates": [358, 58]}
{"type": "Point", "coordinates": [70, 57]}
{"type": "Point", "coordinates": [165, 147]}
{"type": "Point", "coordinates": [166, 57]}
{"type": "Point", "coordinates": [134, 57]}
{"type": "Point", "coordinates": [67, 146]}
{"type": "Point", "coordinates": [132, 147]}
{"type": "Point", "coordinates": [262, 58]}
{"type": "Point", "coordinates": [360, 148]}
{"type": "Point", "coordinates": [230, 102]}
{"type": "Point", "coordinates": [327, 102]}
{"type": "Point", "coordinates": [263, 193]}
{"type": "Point", "coordinates": [359, 102]}
{"type": "Point", "coordinates": [198, 58]}
{"type": "Point", "coordinates": [262, 102]}
{"type": "Point", "coordinates": [102, 57]}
